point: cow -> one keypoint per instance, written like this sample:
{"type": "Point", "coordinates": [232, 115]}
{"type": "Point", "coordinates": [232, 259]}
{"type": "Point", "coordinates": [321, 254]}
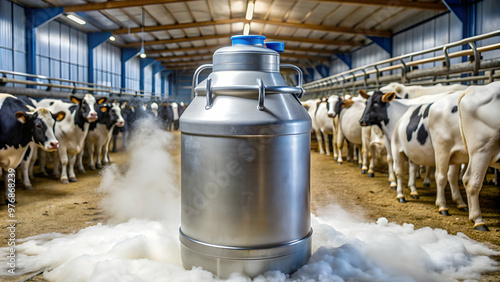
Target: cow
{"type": "Point", "coordinates": [71, 132]}
{"type": "Point", "coordinates": [410, 92]}
{"type": "Point", "coordinates": [479, 118]}
{"type": "Point", "coordinates": [385, 111]}
{"type": "Point", "coordinates": [20, 126]}
{"type": "Point", "coordinates": [313, 105]}
{"type": "Point", "coordinates": [325, 125]}
{"type": "Point", "coordinates": [99, 135]}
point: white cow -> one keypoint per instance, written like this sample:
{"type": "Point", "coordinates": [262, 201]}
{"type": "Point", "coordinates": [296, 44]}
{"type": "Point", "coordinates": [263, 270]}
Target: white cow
{"type": "Point", "coordinates": [325, 124]}
{"type": "Point", "coordinates": [410, 92]}
{"type": "Point", "coordinates": [99, 135]}
{"type": "Point", "coordinates": [480, 126]}
{"type": "Point", "coordinates": [312, 105]}
{"type": "Point", "coordinates": [70, 132]}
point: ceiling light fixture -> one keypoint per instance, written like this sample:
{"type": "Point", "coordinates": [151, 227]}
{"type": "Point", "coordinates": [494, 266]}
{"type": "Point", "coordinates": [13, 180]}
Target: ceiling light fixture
{"type": "Point", "coordinates": [76, 19]}
{"type": "Point", "coordinates": [143, 54]}
{"type": "Point", "coordinates": [246, 29]}
{"type": "Point", "coordinates": [250, 7]}
{"type": "Point", "coordinates": [112, 38]}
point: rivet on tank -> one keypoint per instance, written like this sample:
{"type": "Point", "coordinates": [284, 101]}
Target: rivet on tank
{"type": "Point", "coordinates": [245, 165]}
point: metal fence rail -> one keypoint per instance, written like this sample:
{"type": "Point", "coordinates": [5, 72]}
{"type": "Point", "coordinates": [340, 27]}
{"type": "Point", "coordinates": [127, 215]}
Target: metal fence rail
{"type": "Point", "coordinates": [359, 78]}
{"type": "Point", "coordinates": [64, 86]}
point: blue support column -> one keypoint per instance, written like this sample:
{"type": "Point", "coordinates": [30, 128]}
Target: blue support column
{"type": "Point", "coordinates": [127, 54]}
{"type": "Point", "coordinates": [310, 72]}
{"type": "Point", "coordinates": [383, 42]}
{"type": "Point", "coordinates": [144, 63]}
{"type": "Point", "coordinates": [346, 58]}
{"type": "Point", "coordinates": [157, 67]}
{"type": "Point", "coordinates": [465, 10]}
{"type": "Point", "coordinates": [34, 19]}
{"type": "Point", "coordinates": [94, 39]}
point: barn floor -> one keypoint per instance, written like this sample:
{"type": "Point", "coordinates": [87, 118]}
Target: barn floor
{"type": "Point", "coordinates": [54, 207]}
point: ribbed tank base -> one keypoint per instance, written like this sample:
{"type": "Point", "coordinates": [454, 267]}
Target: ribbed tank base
{"type": "Point", "coordinates": [224, 260]}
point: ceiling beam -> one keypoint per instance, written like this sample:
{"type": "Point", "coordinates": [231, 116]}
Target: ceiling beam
{"type": "Point", "coordinates": [438, 5]}
{"type": "Point", "coordinates": [213, 47]}
{"type": "Point", "coordinates": [177, 40]}
{"type": "Point", "coordinates": [116, 5]}
{"type": "Point", "coordinates": [281, 38]}
{"type": "Point", "coordinates": [133, 3]}
{"type": "Point", "coordinates": [339, 29]}
{"type": "Point", "coordinates": [283, 55]}
{"type": "Point", "coordinates": [174, 26]}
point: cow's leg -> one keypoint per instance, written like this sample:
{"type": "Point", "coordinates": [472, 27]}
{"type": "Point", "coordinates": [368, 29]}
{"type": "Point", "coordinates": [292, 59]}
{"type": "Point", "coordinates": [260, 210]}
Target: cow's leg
{"type": "Point", "coordinates": [90, 149]}
{"type": "Point", "coordinates": [34, 157]}
{"type": "Point", "coordinates": [105, 151]}
{"type": "Point", "coordinates": [327, 142]}
{"type": "Point", "coordinates": [453, 174]}
{"type": "Point", "coordinates": [42, 162]}
{"type": "Point", "coordinates": [319, 138]}
{"type": "Point", "coordinates": [442, 166]}
{"type": "Point", "coordinates": [412, 177]}
{"type": "Point", "coordinates": [390, 171]}
{"type": "Point", "coordinates": [71, 168]}
{"type": "Point", "coordinates": [63, 157]}
{"type": "Point", "coordinates": [25, 165]}
{"type": "Point", "coordinates": [371, 168]}
{"type": "Point", "coordinates": [365, 141]}
{"type": "Point", "coordinates": [81, 168]}
{"type": "Point", "coordinates": [98, 157]}
{"type": "Point", "coordinates": [473, 181]}
{"type": "Point", "coordinates": [340, 144]}
{"type": "Point", "coordinates": [115, 138]}
{"type": "Point", "coordinates": [427, 179]}
{"type": "Point", "coordinates": [399, 170]}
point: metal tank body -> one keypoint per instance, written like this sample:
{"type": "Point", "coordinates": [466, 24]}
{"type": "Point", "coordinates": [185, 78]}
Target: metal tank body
{"type": "Point", "coordinates": [245, 166]}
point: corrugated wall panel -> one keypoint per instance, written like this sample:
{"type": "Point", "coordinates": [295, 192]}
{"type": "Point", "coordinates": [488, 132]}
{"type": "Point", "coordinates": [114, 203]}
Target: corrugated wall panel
{"type": "Point", "coordinates": [148, 78]}
{"type": "Point", "coordinates": [19, 24]}
{"type": "Point", "coordinates": [6, 24]}
{"type": "Point", "coordinates": [158, 84]}
{"type": "Point", "coordinates": [488, 20]}
{"type": "Point", "coordinates": [132, 67]}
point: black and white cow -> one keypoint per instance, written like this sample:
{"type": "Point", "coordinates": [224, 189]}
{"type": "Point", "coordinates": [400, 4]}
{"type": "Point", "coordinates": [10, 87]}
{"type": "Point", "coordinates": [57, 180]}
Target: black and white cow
{"type": "Point", "coordinates": [71, 131]}
{"type": "Point", "coordinates": [99, 135]}
{"type": "Point", "coordinates": [20, 126]}
{"type": "Point", "coordinates": [385, 111]}
{"type": "Point", "coordinates": [480, 127]}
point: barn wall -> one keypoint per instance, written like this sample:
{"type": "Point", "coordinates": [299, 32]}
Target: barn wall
{"type": "Point", "coordinates": [158, 84]}
{"type": "Point", "coordinates": [61, 52]}
{"type": "Point", "coordinates": [107, 65]}
{"type": "Point", "coordinates": [488, 20]}
{"type": "Point", "coordinates": [148, 78]}
{"type": "Point", "coordinates": [12, 46]}
{"type": "Point", "coordinates": [132, 75]}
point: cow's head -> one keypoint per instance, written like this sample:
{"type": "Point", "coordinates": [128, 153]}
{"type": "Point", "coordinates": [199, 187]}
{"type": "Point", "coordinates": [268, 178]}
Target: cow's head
{"type": "Point", "coordinates": [376, 108]}
{"type": "Point", "coordinates": [41, 122]}
{"type": "Point", "coordinates": [112, 115]}
{"type": "Point", "coordinates": [398, 88]}
{"type": "Point", "coordinates": [331, 102]}
{"type": "Point", "coordinates": [88, 106]}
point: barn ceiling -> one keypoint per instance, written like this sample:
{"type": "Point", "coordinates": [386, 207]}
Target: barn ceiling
{"type": "Point", "coordinates": [184, 34]}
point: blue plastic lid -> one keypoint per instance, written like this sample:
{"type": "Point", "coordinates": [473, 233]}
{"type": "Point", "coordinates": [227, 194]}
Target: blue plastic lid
{"type": "Point", "coordinates": [248, 39]}
{"type": "Point", "coordinates": [276, 46]}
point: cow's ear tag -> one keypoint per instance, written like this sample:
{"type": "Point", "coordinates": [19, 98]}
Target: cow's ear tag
{"type": "Point", "coordinates": [104, 109]}
{"type": "Point", "coordinates": [21, 117]}
{"type": "Point", "coordinates": [59, 116]}
{"type": "Point", "coordinates": [388, 97]}
{"type": "Point", "coordinates": [74, 99]}
{"type": "Point", "coordinates": [101, 100]}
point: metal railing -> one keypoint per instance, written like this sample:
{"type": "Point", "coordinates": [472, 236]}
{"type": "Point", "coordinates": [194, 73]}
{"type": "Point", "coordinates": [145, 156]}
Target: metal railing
{"type": "Point", "coordinates": [65, 87]}
{"type": "Point", "coordinates": [359, 78]}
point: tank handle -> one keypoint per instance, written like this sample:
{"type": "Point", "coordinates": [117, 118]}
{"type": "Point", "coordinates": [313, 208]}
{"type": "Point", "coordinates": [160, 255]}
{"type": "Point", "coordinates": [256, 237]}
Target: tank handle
{"type": "Point", "coordinates": [262, 93]}
{"type": "Point", "coordinates": [196, 75]}
{"type": "Point", "coordinates": [299, 73]}
{"type": "Point", "coordinates": [210, 100]}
